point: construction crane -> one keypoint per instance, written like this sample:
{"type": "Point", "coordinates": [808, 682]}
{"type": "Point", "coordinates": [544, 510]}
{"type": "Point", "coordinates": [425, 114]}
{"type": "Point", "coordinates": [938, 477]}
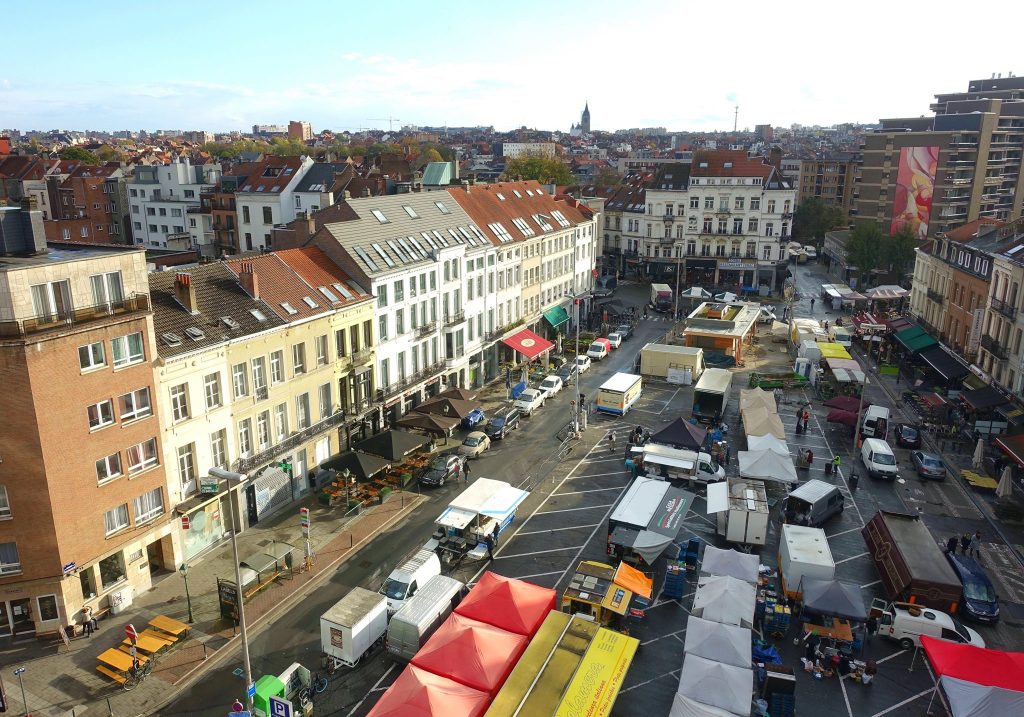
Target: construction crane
{"type": "Point", "coordinates": [389, 119]}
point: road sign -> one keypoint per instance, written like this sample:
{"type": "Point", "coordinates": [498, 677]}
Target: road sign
{"type": "Point", "coordinates": [279, 707]}
{"type": "Point", "coordinates": [237, 705]}
{"type": "Point", "coordinates": [186, 522]}
{"type": "Point", "coordinates": [129, 630]}
{"type": "Point", "coordinates": [251, 690]}
{"type": "Point", "coordinates": [19, 671]}
{"type": "Point", "coordinates": [69, 567]}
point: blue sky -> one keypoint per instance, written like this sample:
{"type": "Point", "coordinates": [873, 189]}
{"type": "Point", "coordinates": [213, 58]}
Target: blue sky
{"type": "Point", "coordinates": [221, 65]}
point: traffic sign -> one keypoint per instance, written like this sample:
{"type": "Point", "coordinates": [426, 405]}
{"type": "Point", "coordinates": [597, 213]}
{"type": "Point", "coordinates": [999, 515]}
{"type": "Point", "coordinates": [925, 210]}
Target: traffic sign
{"type": "Point", "coordinates": [237, 705]}
{"type": "Point", "coordinates": [186, 522]}
{"type": "Point", "coordinates": [279, 707]}
{"type": "Point", "coordinates": [129, 630]}
{"type": "Point", "coordinates": [251, 690]}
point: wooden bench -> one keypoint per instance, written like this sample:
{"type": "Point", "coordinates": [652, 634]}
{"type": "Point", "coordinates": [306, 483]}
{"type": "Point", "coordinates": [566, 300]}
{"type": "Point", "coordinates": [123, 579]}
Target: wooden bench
{"type": "Point", "coordinates": [119, 679]}
{"type": "Point", "coordinates": [160, 635]}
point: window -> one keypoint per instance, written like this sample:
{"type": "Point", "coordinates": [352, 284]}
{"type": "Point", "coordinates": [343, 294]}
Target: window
{"type": "Point", "coordinates": [100, 414]}
{"type": "Point", "coordinates": [326, 409]}
{"type": "Point", "coordinates": [109, 467]}
{"type": "Point", "coordinates": [91, 356]}
{"type": "Point", "coordinates": [245, 437]}
{"type": "Point", "coordinates": [268, 215]}
{"type": "Point", "coordinates": [127, 349]}
{"type": "Point", "coordinates": [240, 380]}
{"type": "Point", "coordinates": [116, 519]}
{"type": "Point", "coordinates": [5, 504]}
{"type": "Point", "coordinates": [47, 608]}
{"type": "Point", "coordinates": [187, 463]}
{"type": "Point", "coordinates": [218, 448]}
{"type": "Point", "coordinates": [752, 224]}
{"type": "Point", "coordinates": [399, 322]}
{"type": "Point", "coordinates": [738, 203]}
{"type": "Point", "coordinates": [299, 358]}
{"type": "Point", "coordinates": [142, 456]}
{"type": "Point", "coordinates": [321, 350]}
{"type": "Point", "coordinates": [107, 288]}
{"type": "Point", "coordinates": [148, 505]}
{"type": "Point", "coordinates": [302, 411]}
{"type": "Point", "coordinates": [245, 215]}
{"type": "Point", "coordinates": [382, 328]}
{"type": "Point", "coordinates": [112, 567]}
{"type": "Point", "coordinates": [52, 302]}
{"type": "Point", "coordinates": [277, 367]}
{"type": "Point", "coordinates": [281, 421]}
{"type": "Point", "coordinates": [263, 430]}
{"type": "Point", "coordinates": [179, 402]}
{"type": "Point", "coordinates": [10, 563]}
{"type": "Point", "coordinates": [771, 206]}
{"type": "Point", "coordinates": [382, 297]}
{"type": "Point", "coordinates": [339, 343]}
{"type": "Point", "coordinates": [755, 203]}
{"type": "Point", "coordinates": [259, 377]}
{"type": "Point", "coordinates": [211, 385]}
{"type": "Point", "coordinates": [135, 405]}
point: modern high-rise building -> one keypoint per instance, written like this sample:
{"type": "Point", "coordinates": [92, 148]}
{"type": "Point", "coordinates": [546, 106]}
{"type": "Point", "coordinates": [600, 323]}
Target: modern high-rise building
{"type": "Point", "coordinates": [830, 178]}
{"type": "Point", "coordinates": [300, 130]}
{"type": "Point", "coordinates": [932, 174]}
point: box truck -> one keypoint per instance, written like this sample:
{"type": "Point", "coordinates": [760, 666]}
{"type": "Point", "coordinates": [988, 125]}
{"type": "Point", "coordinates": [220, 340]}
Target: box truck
{"type": "Point", "coordinates": [676, 364]}
{"type": "Point", "coordinates": [803, 552]}
{"type": "Point", "coordinates": [661, 297]}
{"type": "Point", "coordinates": [422, 615]}
{"type": "Point", "coordinates": [618, 394]}
{"type": "Point", "coordinates": [711, 395]}
{"type": "Point", "coordinates": [353, 625]}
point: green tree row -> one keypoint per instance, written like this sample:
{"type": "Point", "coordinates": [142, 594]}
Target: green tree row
{"type": "Point", "coordinates": [813, 218]}
{"type": "Point", "coordinates": [544, 169]}
{"type": "Point", "coordinates": [869, 248]}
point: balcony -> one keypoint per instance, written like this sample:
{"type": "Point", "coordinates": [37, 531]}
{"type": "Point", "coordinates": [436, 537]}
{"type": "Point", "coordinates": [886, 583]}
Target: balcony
{"type": "Point", "coordinates": [245, 465]}
{"type": "Point", "coordinates": [361, 357]}
{"type": "Point", "coordinates": [1004, 309]}
{"type": "Point", "coordinates": [937, 296]}
{"type": "Point", "coordinates": [995, 348]}
{"type": "Point", "coordinates": [666, 240]}
{"type": "Point", "coordinates": [454, 318]}
{"type": "Point", "coordinates": [723, 210]}
{"type": "Point", "coordinates": [426, 330]}
{"type": "Point", "coordinates": [668, 218]}
{"type": "Point", "coordinates": [261, 393]}
{"type": "Point", "coordinates": [134, 304]}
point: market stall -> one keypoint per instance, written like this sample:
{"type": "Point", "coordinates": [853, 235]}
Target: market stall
{"type": "Point", "coordinates": [728, 644]}
{"type": "Point", "coordinates": [421, 692]}
{"type": "Point", "coordinates": [767, 465]}
{"type": "Point", "coordinates": [977, 682]}
{"type": "Point", "coordinates": [486, 507]}
{"type": "Point", "coordinates": [646, 520]}
{"type": "Point", "coordinates": [681, 434]}
{"type": "Point", "coordinates": [754, 397]}
{"type": "Point", "coordinates": [717, 684]}
{"type": "Point", "coordinates": [768, 442]}
{"type": "Point", "coordinates": [725, 599]}
{"type": "Point", "coordinates": [742, 566]}
{"type": "Point", "coordinates": [760, 421]}
{"type": "Point", "coordinates": [513, 605]}
{"type": "Point", "coordinates": [598, 590]}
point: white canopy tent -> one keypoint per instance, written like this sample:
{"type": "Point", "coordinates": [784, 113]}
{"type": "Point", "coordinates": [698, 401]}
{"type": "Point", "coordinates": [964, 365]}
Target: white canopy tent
{"type": "Point", "coordinates": [753, 397]}
{"type": "Point", "coordinates": [712, 683]}
{"type": "Point", "coordinates": [759, 421]}
{"type": "Point", "coordinates": [767, 465]}
{"type": "Point", "coordinates": [685, 707]}
{"type": "Point", "coordinates": [724, 599]}
{"type": "Point", "coordinates": [768, 442]}
{"type": "Point", "coordinates": [742, 566]}
{"type": "Point", "coordinates": [727, 644]}
{"type": "Point", "coordinates": [486, 497]}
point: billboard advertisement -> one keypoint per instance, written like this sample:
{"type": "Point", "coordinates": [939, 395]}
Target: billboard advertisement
{"type": "Point", "coordinates": [915, 184]}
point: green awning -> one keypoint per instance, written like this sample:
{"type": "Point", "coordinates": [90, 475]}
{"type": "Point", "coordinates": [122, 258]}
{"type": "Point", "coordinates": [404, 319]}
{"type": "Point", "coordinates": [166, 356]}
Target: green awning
{"type": "Point", "coordinates": [915, 339]}
{"type": "Point", "coordinates": [556, 316]}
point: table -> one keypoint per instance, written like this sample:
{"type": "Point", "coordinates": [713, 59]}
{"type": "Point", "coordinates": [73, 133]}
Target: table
{"type": "Point", "coordinates": [840, 630]}
{"type": "Point", "coordinates": [148, 643]}
{"type": "Point", "coordinates": [168, 625]}
{"type": "Point", "coordinates": [120, 661]}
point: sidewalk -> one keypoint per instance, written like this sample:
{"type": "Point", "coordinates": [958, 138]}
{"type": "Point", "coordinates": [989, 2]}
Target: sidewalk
{"type": "Point", "coordinates": [63, 681]}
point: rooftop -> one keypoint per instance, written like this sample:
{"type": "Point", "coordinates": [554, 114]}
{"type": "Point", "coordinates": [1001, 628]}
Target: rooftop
{"type": "Point", "coordinates": [721, 319]}
{"type": "Point", "coordinates": [58, 255]}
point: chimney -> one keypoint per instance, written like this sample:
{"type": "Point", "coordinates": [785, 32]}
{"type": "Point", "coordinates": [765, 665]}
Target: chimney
{"type": "Point", "coordinates": [310, 225]}
{"type": "Point", "coordinates": [775, 158]}
{"type": "Point", "coordinates": [346, 195]}
{"type": "Point", "coordinates": [250, 281]}
{"type": "Point", "coordinates": [455, 165]}
{"type": "Point", "coordinates": [465, 185]}
{"type": "Point", "coordinates": [185, 293]}
{"type": "Point", "coordinates": [366, 191]}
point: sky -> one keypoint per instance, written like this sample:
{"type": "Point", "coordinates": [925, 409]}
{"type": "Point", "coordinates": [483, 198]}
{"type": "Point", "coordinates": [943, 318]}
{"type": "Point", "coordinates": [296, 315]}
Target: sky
{"type": "Point", "coordinates": [222, 65]}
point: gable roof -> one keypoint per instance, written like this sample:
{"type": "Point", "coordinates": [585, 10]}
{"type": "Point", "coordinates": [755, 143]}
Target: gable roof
{"type": "Point", "coordinates": [317, 269]}
{"type": "Point", "coordinates": [502, 210]}
{"type": "Point", "coordinates": [967, 232]}
{"type": "Point", "coordinates": [271, 175]}
{"type": "Point", "coordinates": [320, 176]}
{"type": "Point", "coordinates": [280, 285]}
{"type": "Point", "coordinates": [728, 163]}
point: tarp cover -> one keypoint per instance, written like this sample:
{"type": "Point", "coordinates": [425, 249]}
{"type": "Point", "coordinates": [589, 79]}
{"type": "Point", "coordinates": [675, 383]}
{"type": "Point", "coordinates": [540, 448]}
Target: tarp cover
{"type": "Point", "coordinates": [981, 398]}
{"type": "Point", "coordinates": [714, 641]}
{"type": "Point", "coordinates": [733, 563]}
{"type": "Point", "coordinates": [471, 652]}
{"type": "Point", "coordinates": [393, 445]}
{"type": "Point", "coordinates": [752, 397]}
{"type": "Point", "coordinates": [724, 599]}
{"type": "Point", "coordinates": [835, 598]}
{"type": "Point", "coordinates": [725, 686]}
{"type": "Point", "coordinates": [978, 682]}
{"type": "Point", "coordinates": [886, 292]}
{"type": "Point", "coordinates": [848, 418]}
{"type": "Point", "coordinates": [633, 580]}
{"type": "Point", "coordinates": [767, 465]}
{"type": "Point", "coordinates": [428, 422]}
{"type": "Point", "coordinates": [681, 434]}
{"type": "Point", "coordinates": [759, 421]}
{"type": "Point", "coordinates": [527, 343]}
{"type": "Point", "coordinates": [513, 605]}
{"type": "Point", "coordinates": [686, 707]}
{"type": "Point", "coordinates": [449, 407]}
{"type": "Point", "coordinates": [420, 693]}
{"type": "Point", "coordinates": [944, 363]}
{"type": "Point", "coordinates": [362, 465]}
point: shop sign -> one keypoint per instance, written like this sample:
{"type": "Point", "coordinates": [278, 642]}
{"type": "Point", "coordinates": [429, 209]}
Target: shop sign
{"type": "Point", "coordinates": [736, 265]}
{"type": "Point", "coordinates": [209, 486]}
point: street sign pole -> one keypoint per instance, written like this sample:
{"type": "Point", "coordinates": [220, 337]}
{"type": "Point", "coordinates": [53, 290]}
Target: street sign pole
{"type": "Point", "coordinates": [24, 700]}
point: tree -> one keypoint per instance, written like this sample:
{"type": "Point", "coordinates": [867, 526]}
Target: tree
{"type": "Point", "coordinates": [813, 218]}
{"type": "Point", "coordinates": [431, 155]}
{"type": "Point", "coordinates": [544, 169]}
{"type": "Point", "coordinates": [899, 252]}
{"type": "Point", "coordinates": [864, 248]}
{"type": "Point", "coordinates": [108, 153]}
{"type": "Point", "coordinates": [79, 154]}
{"type": "Point", "coordinates": [607, 177]}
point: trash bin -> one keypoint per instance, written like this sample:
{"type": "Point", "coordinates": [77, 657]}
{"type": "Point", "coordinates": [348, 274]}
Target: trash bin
{"type": "Point", "coordinates": [121, 600]}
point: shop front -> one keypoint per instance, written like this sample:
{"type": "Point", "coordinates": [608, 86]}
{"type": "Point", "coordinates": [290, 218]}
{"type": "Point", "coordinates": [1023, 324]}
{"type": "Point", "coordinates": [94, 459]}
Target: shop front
{"type": "Point", "coordinates": [737, 274]}
{"type": "Point", "coordinates": [701, 272]}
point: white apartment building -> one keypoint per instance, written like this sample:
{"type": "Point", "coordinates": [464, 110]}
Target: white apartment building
{"type": "Point", "coordinates": [159, 199]}
{"type": "Point", "coordinates": [514, 150]}
{"type": "Point", "coordinates": [266, 197]}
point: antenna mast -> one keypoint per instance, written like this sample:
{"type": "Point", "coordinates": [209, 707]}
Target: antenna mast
{"type": "Point", "coordinates": [736, 118]}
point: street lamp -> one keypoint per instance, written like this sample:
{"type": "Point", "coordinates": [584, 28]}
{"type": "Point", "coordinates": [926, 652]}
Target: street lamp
{"type": "Point", "coordinates": [188, 598]}
{"type": "Point", "coordinates": [346, 474]}
{"type": "Point", "coordinates": [240, 478]}
{"type": "Point", "coordinates": [24, 700]}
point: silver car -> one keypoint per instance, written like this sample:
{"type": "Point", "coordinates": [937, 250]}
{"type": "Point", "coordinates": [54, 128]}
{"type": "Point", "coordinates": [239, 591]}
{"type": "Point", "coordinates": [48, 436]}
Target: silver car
{"type": "Point", "coordinates": [476, 443]}
{"type": "Point", "coordinates": [928, 465]}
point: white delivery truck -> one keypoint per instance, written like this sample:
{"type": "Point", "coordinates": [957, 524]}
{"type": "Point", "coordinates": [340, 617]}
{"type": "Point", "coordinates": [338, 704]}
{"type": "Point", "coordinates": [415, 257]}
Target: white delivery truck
{"type": "Point", "coordinates": [675, 464]}
{"type": "Point", "coordinates": [803, 552]}
{"type": "Point", "coordinates": [619, 393]}
{"type": "Point", "coordinates": [352, 626]}
{"type": "Point", "coordinates": [661, 297]}
{"type": "Point", "coordinates": [742, 508]}
{"type": "Point", "coordinates": [711, 395]}
{"type": "Point", "coordinates": [410, 576]}
{"type": "Point", "coordinates": [676, 364]}
{"type": "Point", "coordinates": [413, 625]}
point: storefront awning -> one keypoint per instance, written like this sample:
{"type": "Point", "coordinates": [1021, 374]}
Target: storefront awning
{"type": "Point", "coordinates": [1012, 446]}
{"type": "Point", "coordinates": [981, 398]}
{"type": "Point", "coordinates": [944, 363]}
{"type": "Point", "coordinates": [556, 316]}
{"type": "Point", "coordinates": [527, 343]}
{"type": "Point", "coordinates": [915, 339]}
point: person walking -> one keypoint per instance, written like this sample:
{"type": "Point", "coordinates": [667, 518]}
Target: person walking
{"type": "Point", "coordinates": [836, 461]}
{"type": "Point", "coordinates": [494, 535]}
{"type": "Point", "coordinates": [951, 545]}
{"type": "Point", "coordinates": [854, 480]}
{"type": "Point", "coordinates": [465, 471]}
{"type": "Point", "coordinates": [812, 305]}
{"type": "Point", "coordinates": [965, 543]}
{"type": "Point", "coordinates": [807, 418]}
{"type": "Point", "coordinates": [611, 442]}
{"type": "Point", "coordinates": [976, 544]}
{"type": "Point", "coordinates": [489, 541]}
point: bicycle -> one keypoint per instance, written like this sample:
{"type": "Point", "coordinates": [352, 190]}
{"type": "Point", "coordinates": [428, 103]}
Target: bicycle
{"type": "Point", "coordinates": [317, 685]}
{"type": "Point", "coordinates": [137, 673]}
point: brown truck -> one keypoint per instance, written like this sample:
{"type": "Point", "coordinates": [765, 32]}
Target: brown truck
{"type": "Point", "coordinates": [910, 562]}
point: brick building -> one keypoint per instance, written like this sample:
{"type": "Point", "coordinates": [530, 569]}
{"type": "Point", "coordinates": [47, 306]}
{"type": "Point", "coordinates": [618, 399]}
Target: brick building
{"type": "Point", "coordinates": [91, 206]}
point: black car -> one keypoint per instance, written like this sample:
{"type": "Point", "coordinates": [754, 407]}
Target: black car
{"type": "Point", "coordinates": [567, 372]}
{"type": "Point", "coordinates": [506, 419]}
{"type": "Point", "coordinates": [442, 468]}
{"type": "Point", "coordinates": [907, 436]}
{"type": "Point", "coordinates": [625, 331]}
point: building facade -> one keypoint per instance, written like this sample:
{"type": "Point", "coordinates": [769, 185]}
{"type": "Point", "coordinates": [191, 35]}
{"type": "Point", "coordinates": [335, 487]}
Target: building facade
{"type": "Point", "coordinates": [265, 198]}
{"type": "Point", "coordinates": [829, 178]}
{"type": "Point", "coordinates": [92, 206]}
{"type": "Point", "coordinates": [159, 197]}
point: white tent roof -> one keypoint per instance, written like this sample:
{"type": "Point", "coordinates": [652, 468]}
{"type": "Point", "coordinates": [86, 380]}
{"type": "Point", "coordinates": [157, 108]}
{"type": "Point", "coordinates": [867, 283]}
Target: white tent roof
{"type": "Point", "coordinates": [724, 599]}
{"type": "Point", "coordinates": [685, 707]}
{"type": "Point", "coordinates": [724, 686]}
{"type": "Point", "coordinates": [969, 699]}
{"type": "Point", "coordinates": [485, 496]}
{"type": "Point", "coordinates": [767, 465]}
{"type": "Point", "coordinates": [641, 501]}
{"type": "Point", "coordinates": [727, 644]}
{"type": "Point", "coordinates": [768, 442]}
{"type": "Point", "coordinates": [743, 566]}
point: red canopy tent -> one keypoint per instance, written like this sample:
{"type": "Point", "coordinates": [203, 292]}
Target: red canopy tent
{"type": "Point", "coordinates": [528, 343]}
{"type": "Point", "coordinates": [843, 403]}
{"type": "Point", "coordinates": [419, 693]}
{"type": "Point", "coordinates": [478, 655]}
{"type": "Point", "coordinates": [977, 682]}
{"type": "Point", "coordinates": [512, 605]}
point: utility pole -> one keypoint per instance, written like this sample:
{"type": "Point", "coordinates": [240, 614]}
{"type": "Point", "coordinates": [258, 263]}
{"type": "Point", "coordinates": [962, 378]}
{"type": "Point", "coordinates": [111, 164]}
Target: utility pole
{"type": "Point", "coordinates": [736, 118]}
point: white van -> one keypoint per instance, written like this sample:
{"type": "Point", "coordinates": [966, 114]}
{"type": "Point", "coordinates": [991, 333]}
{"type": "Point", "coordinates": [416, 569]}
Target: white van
{"type": "Point", "coordinates": [422, 615]}
{"type": "Point", "coordinates": [906, 622]}
{"type": "Point", "coordinates": [405, 580]}
{"type": "Point", "coordinates": [878, 459]}
{"type": "Point", "coordinates": [842, 336]}
{"type": "Point", "coordinates": [875, 423]}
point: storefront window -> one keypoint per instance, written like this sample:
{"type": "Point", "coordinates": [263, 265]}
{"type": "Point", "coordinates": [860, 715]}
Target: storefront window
{"type": "Point", "coordinates": [112, 570]}
{"type": "Point", "coordinates": [88, 581]}
{"type": "Point", "coordinates": [206, 529]}
{"type": "Point", "coordinates": [47, 607]}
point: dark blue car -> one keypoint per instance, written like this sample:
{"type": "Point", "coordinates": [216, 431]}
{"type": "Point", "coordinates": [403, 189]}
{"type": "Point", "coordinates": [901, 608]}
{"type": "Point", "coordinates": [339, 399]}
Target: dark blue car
{"type": "Point", "coordinates": [980, 601]}
{"type": "Point", "coordinates": [474, 419]}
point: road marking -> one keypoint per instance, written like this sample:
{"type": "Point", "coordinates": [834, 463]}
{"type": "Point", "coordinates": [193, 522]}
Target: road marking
{"type": "Point", "coordinates": [662, 637]}
{"type": "Point", "coordinates": [539, 552]}
{"type": "Point", "coordinates": [673, 673]}
{"type": "Point", "coordinates": [570, 510]}
{"type": "Point", "coordinates": [595, 475]}
{"type": "Point", "coordinates": [372, 689]}
{"type": "Point", "coordinates": [844, 532]}
{"type": "Point", "coordinates": [852, 557]}
{"type": "Point", "coordinates": [670, 400]}
{"type": "Point", "coordinates": [896, 706]}
{"type": "Point", "coordinates": [591, 490]}
{"type": "Point", "coordinates": [592, 461]}
{"type": "Point", "coordinates": [838, 472]}
{"type": "Point", "coordinates": [868, 585]}
{"type": "Point", "coordinates": [552, 530]}
{"type": "Point", "coordinates": [538, 575]}
{"type": "Point", "coordinates": [846, 698]}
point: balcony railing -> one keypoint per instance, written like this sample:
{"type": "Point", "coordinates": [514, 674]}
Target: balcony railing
{"type": "Point", "coordinates": [994, 347]}
{"type": "Point", "coordinates": [244, 465]}
{"type": "Point", "coordinates": [362, 356]}
{"type": "Point", "coordinates": [937, 296]}
{"type": "Point", "coordinates": [426, 329]}
{"type": "Point", "coordinates": [136, 303]}
{"type": "Point", "coordinates": [455, 317]}
{"type": "Point", "coordinates": [1005, 309]}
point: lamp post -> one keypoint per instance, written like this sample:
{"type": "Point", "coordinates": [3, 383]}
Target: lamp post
{"type": "Point", "coordinates": [24, 700]}
{"type": "Point", "coordinates": [188, 598]}
{"type": "Point", "coordinates": [239, 478]}
{"type": "Point", "coordinates": [345, 475]}
{"type": "Point", "coordinates": [668, 219]}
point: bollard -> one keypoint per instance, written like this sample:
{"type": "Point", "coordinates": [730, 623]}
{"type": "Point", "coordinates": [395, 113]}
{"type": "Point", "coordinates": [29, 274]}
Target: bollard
{"type": "Point", "coordinates": [110, 710]}
{"type": "Point", "coordinates": [204, 651]}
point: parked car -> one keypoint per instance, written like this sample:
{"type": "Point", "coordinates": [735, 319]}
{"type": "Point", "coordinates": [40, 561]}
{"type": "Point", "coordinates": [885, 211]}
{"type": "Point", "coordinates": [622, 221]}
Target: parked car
{"type": "Point", "coordinates": [907, 436]}
{"type": "Point", "coordinates": [567, 372]}
{"type": "Point", "coordinates": [551, 385]}
{"type": "Point", "coordinates": [928, 465]}
{"type": "Point", "coordinates": [767, 314]}
{"type": "Point", "coordinates": [474, 419]}
{"type": "Point", "coordinates": [475, 444]}
{"type": "Point", "coordinates": [530, 400]}
{"type": "Point", "coordinates": [442, 468]}
{"type": "Point", "coordinates": [980, 601]}
{"type": "Point", "coordinates": [582, 363]}
{"type": "Point", "coordinates": [615, 340]}
{"type": "Point", "coordinates": [505, 419]}
{"type": "Point", "coordinates": [625, 331]}
{"type": "Point", "coordinates": [811, 251]}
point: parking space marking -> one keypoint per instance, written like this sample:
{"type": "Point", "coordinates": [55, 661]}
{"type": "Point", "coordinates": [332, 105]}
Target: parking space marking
{"type": "Point", "coordinates": [538, 575]}
{"type": "Point", "coordinates": [846, 698]}
{"type": "Point", "coordinates": [372, 690]}
{"type": "Point", "coordinates": [868, 585]}
{"type": "Point", "coordinates": [539, 552]}
{"type": "Point", "coordinates": [570, 510]}
{"type": "Point", "coordinates": [673, 673]}
{"type": "Point", "coordinates": [662, 637]}
{"type": "Point", "coordinates": [591, 490]}
{"type": "Point", "coordinates": [552, 530]}
{"type": "Point", "coordinates": [852, 557]}
{"type": "Point", "coordinates": [593, 475]}
{"type": "Point", "coordinates": [592, 461]}
{"type": "Point", "coordinates": [843, 532]}
{"type": "Point", "coordinates": [896, 706]}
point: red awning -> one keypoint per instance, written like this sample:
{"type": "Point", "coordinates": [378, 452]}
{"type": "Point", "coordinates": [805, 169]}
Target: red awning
{"type": "Point", "coordinates": [528, 343]}
{"type": "Point", "coordinates": [1012, 446]}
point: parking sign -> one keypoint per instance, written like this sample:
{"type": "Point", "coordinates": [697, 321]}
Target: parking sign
{"type": "Point", "coordinates": [280, 708]}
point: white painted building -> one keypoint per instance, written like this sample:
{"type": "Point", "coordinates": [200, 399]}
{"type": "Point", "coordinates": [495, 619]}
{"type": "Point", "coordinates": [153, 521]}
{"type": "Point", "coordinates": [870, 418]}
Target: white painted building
{"type": "Point", "coordinates": [514, 150]}
{"type": "Point", "coordinates": [266, 197]}
{"type": "Point", "coordinates": [159, 197]}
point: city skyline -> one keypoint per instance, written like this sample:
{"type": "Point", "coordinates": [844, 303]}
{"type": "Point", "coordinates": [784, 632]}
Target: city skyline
{"type": "Point", "coordinates": [421, 69]}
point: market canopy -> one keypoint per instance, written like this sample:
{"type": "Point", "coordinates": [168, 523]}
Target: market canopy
{"type": "Point", "coordinates": [847, 418]}
{"type": "Point", "coordinates": [695, 292]}
{"type": "Point", "coordinates": [429, 422]}
{"type": "Point", "coordinates": [527, 343]}
{"type": "Point", "coordinates": [362, 465]}
{"type": "Point", "coordinates": [556, 316]}
{"type": "Point", "coordinates": [393, 445]}
{"type": "Point", "coordinates": [420, 693]}
{"type": "Point", "coordinates": [472, 653]}
{"type": "Point", "coordinates": [978, 682]}
{"type": "Point", "coordinates": [742, 566]}
{"type": "Point", "coordinates": [724, 599]}
{"type": "Point", "coordinates": [724, 686]}
{"type": "Point", "coordinates": [633, 580]}
{"type": "Point", "coordinates": [759, 421]}
{"type": "Point", "coordinates": [513, 605]}
{"type": "Point", "coordinates": [728, 644]}
{"type": "Point", "coordinates": [753, 397]}
{"type": "Point", "coordinates": [943, 363]}
{"type": "Point", "coordinates": [686, 707]}
{"type": "Point", "coordinates": [457, 392]}
{"type": "Point", "coordinates": [834, 598]}
{"type": "Point", "coordinates": [484, 497]}
{"type": "Point", "coordinates": [982, 398]}
{"type": "Point", "coordinates": [915, 339]}
{"type": "Point", "coordinates": [1012, 446]}
{"type": "Point", "coordinates": [768, 443]}
{"type": "Point", "coordinates": [832, 350]}
{"type": "Point", "coordinates": [887, 292]}
{"type": "Point", "coordinates": [681, 434]}
{"type": "Point", "coordinates": [848, 364]}
{"type": "Point", "coordinates": [845, 403]}
{"type": "Point", "coordinates": [767, 465]}
{"type": "Point", "coordinates": [448, 407]}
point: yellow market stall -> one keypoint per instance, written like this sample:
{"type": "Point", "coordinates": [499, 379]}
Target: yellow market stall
{"type": "Point", "coordinates": [832, 350]}
{"type": "Point", "coordinates": [607, 594]}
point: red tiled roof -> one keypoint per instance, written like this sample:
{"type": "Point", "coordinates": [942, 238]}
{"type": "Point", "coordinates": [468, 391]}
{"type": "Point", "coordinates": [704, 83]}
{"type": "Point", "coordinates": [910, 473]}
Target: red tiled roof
{"type": "Point", "coordinates": [968, 231]}
{"type": "Point", "coordinates": [318, 270]}
{"type": "Point", "coordinates": [482, 203]}
{"type": "Point", "coordinates": [280, 284]}
{"type": "Point", "coordinates": [21, 167]}
{"type": "Point", "coordinates": [712, 163]}
{"type": "Point", "coordinates": [281, 171]}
